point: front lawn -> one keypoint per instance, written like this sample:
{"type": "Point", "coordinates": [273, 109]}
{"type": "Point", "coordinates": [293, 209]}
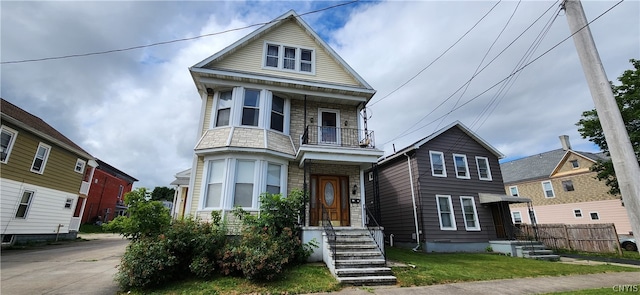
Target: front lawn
{"type": "Point", "coordinates": [429, 268]}
{"type": "Point", "coordinates": [422, 269]}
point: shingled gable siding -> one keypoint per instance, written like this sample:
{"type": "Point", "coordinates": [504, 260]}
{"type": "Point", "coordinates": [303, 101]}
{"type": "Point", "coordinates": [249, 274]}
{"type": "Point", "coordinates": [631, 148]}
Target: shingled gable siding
{"type": "Point", "coordinates": [396, 205]}
{"type": "Point", "coordinates": [454, 141]}
{"type": "Point", "coordinates": [59, 171]}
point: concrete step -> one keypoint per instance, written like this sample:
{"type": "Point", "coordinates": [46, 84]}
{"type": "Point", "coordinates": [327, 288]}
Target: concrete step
{"type": "Point", "coordinates": [350, 255]}
{"type": "Point", "coordinates": [357, 246]}
{"type": "Point", "coordinates": [362, 272]}
{"type": "Point", "coordinates": [548, 257]}
{"type": "Point", "coordinates": [536, 252]}
{"type": "Point", "coordinates": [359, 263]}
{"type": "Point", "coordinates": [368, 280]}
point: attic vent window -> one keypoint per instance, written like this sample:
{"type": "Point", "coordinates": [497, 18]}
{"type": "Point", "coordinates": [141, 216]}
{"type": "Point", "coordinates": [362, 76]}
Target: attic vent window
{"type": "Point", "coordinates": [289, 58]}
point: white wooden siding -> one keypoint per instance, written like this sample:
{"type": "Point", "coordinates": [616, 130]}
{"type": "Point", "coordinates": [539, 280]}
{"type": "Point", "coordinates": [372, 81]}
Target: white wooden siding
{"type": "Point", "coordinates": [197, 185]}
{"type": "Point", "coordinates": [45, 213]}
{"type": "Point", "coordinates": [249, 58]}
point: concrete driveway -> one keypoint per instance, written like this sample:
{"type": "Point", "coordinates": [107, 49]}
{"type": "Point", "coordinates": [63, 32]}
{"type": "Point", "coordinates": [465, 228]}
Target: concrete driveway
{"type": "Point", "coordinates": [82, 267]}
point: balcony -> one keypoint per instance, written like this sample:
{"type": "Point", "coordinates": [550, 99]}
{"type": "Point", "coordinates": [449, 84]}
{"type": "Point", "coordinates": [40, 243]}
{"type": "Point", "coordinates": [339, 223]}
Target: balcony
{"type": "Point", "coordinates": [335, 145]}
{"type": "Point", "coordinates": [339, 137]}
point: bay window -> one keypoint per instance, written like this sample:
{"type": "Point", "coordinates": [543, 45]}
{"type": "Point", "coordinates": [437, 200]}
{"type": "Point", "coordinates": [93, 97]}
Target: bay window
{"type": "Point", "coordinates": [243, 194]}
{"type": "Point", "coordinates": [224, 108]}
{"type": "Point", "coordinates": [214, 184]}
{"type": "Point", "coordinates": [273, 178]}
{"type": "Point", "coordinates": [251, 107]}
{"type": "Point", "coordinates": [277, 113]}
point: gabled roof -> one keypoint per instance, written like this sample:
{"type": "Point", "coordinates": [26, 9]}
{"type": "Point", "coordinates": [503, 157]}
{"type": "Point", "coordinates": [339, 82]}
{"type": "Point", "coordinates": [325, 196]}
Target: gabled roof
{"type": "Point", "coordinates": [182, 177]}
{"type": "Point", "coordinates": [290, 15]}
{"type": "Point", "coordinates": [457, 124]}
{"type": "Point", "coordinates": [13, 114]}
{"type": "Point", "coordinates": [541, 165]}
{"type": "Point", "coordinates": [115, 171]}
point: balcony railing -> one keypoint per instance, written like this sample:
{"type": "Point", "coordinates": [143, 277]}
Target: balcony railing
{"type": "Point", "coordinates": [336, 136]}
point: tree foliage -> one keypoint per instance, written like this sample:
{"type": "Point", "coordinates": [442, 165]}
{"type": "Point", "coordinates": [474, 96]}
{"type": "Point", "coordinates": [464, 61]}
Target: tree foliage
{"type": "Point", "coordinates": [162, 193]}
{"type": "Point", "coordinates": [145, 217]}
{"type": "Point", "coordinates": [627, 96]}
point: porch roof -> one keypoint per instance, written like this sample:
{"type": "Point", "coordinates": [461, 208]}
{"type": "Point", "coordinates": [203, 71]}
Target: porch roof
{"type": "Point", "coordinates": [495, 198]}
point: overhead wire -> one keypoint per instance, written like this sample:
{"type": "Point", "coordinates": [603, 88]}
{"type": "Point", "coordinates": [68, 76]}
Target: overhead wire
{"type": "Point", "coordinates": [437, 58]}
{"type": "Point", "coordinates": [167, 42]}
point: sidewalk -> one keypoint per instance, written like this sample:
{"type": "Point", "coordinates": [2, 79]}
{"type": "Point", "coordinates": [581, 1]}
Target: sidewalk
{"type": "Point", "coordinates": [509, 286]}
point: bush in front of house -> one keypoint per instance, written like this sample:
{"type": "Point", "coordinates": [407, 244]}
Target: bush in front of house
{"type": "Point", "coordinates": [145, 218]}
{"type": "Point", "coordinates": [268, 244]}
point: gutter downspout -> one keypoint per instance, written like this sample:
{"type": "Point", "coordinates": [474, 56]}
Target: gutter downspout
{"type": "Point", "coordinates": [413, 199]}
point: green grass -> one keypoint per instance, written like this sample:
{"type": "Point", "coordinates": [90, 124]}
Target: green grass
{"type": "Point", "coordinates": [460, 267]}
{"type": "Point", "coordinates": [429, 269]}
{"type": "Point", "coordinates": [597, 291]}
{"type": "Point", "coordinates": [625, 254]}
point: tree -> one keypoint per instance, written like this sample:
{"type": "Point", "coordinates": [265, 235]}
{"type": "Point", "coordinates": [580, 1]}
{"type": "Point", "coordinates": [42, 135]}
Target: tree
{"type": "Point", "coordinates": [162, 194]}
{"type": "Point", "coordinates": [627, 95]}
{"type": "Point", "coordinates": [145, 217]}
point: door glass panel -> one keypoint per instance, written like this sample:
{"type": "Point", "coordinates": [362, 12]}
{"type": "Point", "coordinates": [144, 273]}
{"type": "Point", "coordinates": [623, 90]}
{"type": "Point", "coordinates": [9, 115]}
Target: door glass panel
{"type": "Point", "coordinates": [329, 130]}
{"type": "Point", "coordinates": [329, 194]}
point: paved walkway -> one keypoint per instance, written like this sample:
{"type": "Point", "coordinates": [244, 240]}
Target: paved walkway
{"type": "Point", "coordinates": [509, 286]}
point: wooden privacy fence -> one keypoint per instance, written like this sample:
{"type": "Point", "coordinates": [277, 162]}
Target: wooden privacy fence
{"type": "Point", "coordinates": [600, 238]}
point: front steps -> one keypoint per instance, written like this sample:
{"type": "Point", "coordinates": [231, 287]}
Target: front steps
{"type": "Point", "coordinates": [526, 249]}
{"type": "Point", "coordinates": [358, 261]}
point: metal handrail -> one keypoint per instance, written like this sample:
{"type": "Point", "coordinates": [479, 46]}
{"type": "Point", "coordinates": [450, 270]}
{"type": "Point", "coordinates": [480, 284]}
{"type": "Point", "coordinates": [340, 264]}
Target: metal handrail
{"type": "Point", "coordinates": [329, 231]}
{"type": "Point", "coordinates": [370, 217]}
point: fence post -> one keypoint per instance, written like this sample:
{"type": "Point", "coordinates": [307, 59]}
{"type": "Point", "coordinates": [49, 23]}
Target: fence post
{"type": "Point", "coordinates": [566, 236]}
{"type": "Point", "coordinates": [615, 233]}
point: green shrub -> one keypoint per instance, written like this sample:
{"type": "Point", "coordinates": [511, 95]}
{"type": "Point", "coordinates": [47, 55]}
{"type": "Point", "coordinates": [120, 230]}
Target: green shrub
{"type": "Point", "coordinates": [146, 263]}
{"type": "Point", "coordinates": [145, 218]}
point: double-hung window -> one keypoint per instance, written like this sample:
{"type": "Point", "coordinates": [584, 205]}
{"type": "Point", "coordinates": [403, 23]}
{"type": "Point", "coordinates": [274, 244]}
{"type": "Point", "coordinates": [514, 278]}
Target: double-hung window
{"type": "Point", "coordinates": [214, 184]}
{"type": "Point", "coordinates": [484, 172]}
{"type": "Point", "coordinates": [445, 213]}
{"type": "Point", "coordinates": [243, 193]}
{"type": "Point", "coordinates": [223, 113]}
{"type": "Point", "coordinates": [274, 172]}
{"type": "Point", "coordinates": [25, 203]}
{"type": "Point", "coordinates": [289, 58]}
{"type": "Point", "coordinates": [462, 169]}
{"type": "Point", "coordinates": [437, 164]}
{"type": "Point", "coordinates": [470, 214]}
{"type": "Point", "coordinates": [251, 107]}
{"type": "Point", "coordinates": [517, 217]}
{"type": "Point", "coordinates": [277, 113]}
{"type": "Point", "coordinates": [40, 159]}
{"type": "Point", "coordinates": [513, 190]}
{"type": "Point", "coordinates": [7, 138]}
{"type": "Point", "coordinates": [547, 188]}
{"type": "Point", "coordinates": [80, 166]}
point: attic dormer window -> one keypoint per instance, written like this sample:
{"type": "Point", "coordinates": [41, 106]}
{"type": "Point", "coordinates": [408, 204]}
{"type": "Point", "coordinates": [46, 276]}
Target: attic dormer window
{"type": "Point", "coordinates": [289, 58]}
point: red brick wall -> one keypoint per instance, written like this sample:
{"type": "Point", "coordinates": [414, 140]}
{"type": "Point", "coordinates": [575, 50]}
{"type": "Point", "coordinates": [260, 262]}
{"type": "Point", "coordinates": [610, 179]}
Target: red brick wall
{"type": "Point", "coordinates": [103, 194]}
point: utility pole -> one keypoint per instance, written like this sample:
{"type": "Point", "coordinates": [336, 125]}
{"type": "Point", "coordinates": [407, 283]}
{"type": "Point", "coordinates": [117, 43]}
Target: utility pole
{"type": "Point", "coordinates": [623, 157]}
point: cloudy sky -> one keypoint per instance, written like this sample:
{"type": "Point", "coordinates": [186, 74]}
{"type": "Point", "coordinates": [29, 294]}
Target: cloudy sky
{"type": "Point", "coordinates": [138, 109]}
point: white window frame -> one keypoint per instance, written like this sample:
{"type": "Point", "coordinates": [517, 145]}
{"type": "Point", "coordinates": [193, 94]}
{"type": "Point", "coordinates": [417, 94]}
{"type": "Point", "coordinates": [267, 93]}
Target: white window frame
{"type": "Point", "coordinates": [283, 114]}
{"type": "Point", "coordinates": [338, 133]}
{"type": "Point", "coordinates": [596, 213]}
{"type": "Point", "coordinates": [282, 176]}
{"type": "Point", "coordinates": [371, 176]}
{"type": "Point", "coordinates": [27, 204]}
{"type": "Point", "coordinates": [544, 190]}
{"type": "Point", "coordinates": [258, 108]}
{"type": "Point", "coordinates": [281, 58]}
{"type": "Point", "coordinates": [80, 164]}
{"type": "Point", "coordinates": [513, 217]}
{"type": "Point", "coordinates": [12, 140]}
{"type": "Point", "coordinates": [451, 213]}
{"type": "Point", "coordinates": [475, 213]}
{"type": "Point", "coordinates": [206, 182]}
{"type": "Point", "coordinates": [68, 204]}
{"type": "Point", "coordinates": [576, 212]}
{"type": "Point", "coordinates": [444, 166]}
{"type": "Point", "coordinates": [466, 166]}
{"type": "Point", "coordinates": [44, 159]}
{"type": "Point", "coordinates": [254, 185]}
{"type": "Point", "coordinates": [217, 105]}
{"type": "Point", "coordinates": [489, 177]}
{"type": "Point", "coordinates": [511, 191]}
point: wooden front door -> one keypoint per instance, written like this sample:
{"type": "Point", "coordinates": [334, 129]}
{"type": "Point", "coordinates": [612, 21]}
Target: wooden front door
{"type": "Point", "coordinates": [330, 192]}
{"type": "Point", "coordinates": [498, 220]}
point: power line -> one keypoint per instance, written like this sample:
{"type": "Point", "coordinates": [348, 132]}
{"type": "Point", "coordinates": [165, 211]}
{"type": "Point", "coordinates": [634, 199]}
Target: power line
{"type": "Point", "coordinates": [437, 58]}
{"type": "Point", "coordinates": [500, 82]}
{"type": "Point", "coordinates": [167, 42]}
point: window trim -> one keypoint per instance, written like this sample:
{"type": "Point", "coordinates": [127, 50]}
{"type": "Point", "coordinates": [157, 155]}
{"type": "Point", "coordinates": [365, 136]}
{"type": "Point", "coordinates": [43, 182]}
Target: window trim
{"type": "Point", "coordinates": [14, 135]}
{"type": "Point", "coordinates": [466, 166]}
{"type": "Point", "coordinates": [28, 204]}
{"type": "Point", "coordinates": [217, 105]}
{"type": "Point", "coordinates": [475, 213]}
{"type": "Point", "coordinates": [452, 218]}
{"type": "Point", "coordinates": [338, 129]}
{"type": "Point", "coordinates": [44, 158]}
{"type": "Point", "coordinates": [281, 58]}
{"type": "Point", "coordinates": [511, 192]}
{"type": "Point", "coordinates": [513, 217]}
{"type": "Point", "coordinates": [206, 183]}
{"type": "Point", "coordinates": [544, 191]}
{"type": "Point", "coordinates": [82, 166]}
{"type": "Point", "coordinates": [596, 213]}
{"type": "Point", "coordinates": [576, 212]}
{"type": "Point", "coordinates": [258, 108]}
{"type": "Point", "coordinates": [283, 114]}
{"type": "Point", "coordinates": [574, 166]}
{"type": "Point", "coordinates": [489, 177]}
{"type": "Point", "coordinates": [282, 176]}
{"type": "Point", "coordinates": [69, 202]}
{"type": "Point", "coordinates": [444, 165]}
